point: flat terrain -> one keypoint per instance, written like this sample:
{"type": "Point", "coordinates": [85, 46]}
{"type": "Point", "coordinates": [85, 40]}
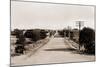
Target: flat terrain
{"type": "Point", "coordinates": [55, 51]}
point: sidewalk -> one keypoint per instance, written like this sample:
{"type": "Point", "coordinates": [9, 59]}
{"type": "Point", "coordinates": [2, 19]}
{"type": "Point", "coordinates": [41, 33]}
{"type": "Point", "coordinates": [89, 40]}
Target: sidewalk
{"type": "Point", "coordinates": [71, 43]}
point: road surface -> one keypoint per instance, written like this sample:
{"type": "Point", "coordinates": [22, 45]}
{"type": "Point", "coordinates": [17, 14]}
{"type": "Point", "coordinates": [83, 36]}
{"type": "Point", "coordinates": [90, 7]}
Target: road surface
{"type": "Point", "coordinates": [55, 51]}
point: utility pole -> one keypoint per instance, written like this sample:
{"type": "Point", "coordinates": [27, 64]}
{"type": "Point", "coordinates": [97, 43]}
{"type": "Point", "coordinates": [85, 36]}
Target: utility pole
{"type": "Point", "coordinates": [79, 24]}
{"type": "Point", "coordinates": [65, 33]}
{"type": "Point", "coordinates": [69, 29]}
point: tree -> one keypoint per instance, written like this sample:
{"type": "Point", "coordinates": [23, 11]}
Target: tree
{"type": "Point", "coordinates": [20, 39]}
{"type": "Point", "coordinates": [87, 38]}
{"type": "Point", "coordinates": [43, 34]}
{"type": "Point", "coordinates": [34, 35]}
{"type": "Point", "coordinates": [17, 32]}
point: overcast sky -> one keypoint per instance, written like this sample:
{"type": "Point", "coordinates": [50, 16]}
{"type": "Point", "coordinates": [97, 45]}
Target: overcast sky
{"type": "Point", "coordinates": [27, 15]}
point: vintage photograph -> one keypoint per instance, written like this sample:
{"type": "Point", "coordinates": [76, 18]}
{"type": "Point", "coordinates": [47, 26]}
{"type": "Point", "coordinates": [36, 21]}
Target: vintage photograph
{"type": "Point", "coordinates": [51, 33]}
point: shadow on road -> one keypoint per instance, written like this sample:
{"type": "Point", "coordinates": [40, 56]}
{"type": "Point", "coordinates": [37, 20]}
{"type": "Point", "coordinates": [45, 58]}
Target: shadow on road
{"type": "Point", "coordinates": [73, 51]}
{"type": "Point", "coordinates": [60, 49]}
{"type": "Point", "coordinates": [83, 53]}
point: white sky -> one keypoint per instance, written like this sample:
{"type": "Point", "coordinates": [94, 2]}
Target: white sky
{"type": "Point", "coordinates": [26, 15]}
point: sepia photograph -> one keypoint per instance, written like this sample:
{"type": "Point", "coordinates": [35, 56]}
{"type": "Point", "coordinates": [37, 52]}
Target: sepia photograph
{"type": "Point", "coordinates": [51, 33]}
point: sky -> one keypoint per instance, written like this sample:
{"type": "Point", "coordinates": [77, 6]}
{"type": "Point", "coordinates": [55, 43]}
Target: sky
{"type": "Point", "coordinates": [31, 15]}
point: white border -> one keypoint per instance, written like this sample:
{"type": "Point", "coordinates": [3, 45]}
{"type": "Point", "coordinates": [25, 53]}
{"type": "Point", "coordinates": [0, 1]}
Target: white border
{"type": "Point", "coordinates": [5, 33]}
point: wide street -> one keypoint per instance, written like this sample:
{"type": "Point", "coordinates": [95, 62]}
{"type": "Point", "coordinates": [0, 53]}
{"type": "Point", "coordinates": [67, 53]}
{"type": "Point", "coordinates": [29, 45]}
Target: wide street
{"type": "Point", "coordinates": [55, 51]}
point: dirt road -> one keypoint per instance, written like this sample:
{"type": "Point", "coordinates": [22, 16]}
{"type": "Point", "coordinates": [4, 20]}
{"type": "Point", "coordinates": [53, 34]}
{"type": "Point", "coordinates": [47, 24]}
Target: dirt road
{"type": "Point", "coordinates": [55, 51]}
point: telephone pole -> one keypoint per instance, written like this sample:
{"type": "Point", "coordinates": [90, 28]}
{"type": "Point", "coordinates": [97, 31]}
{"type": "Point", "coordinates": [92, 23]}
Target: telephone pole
{"type": "Point", "coordinates": [65, 33]}
{"type": "Point", "coordinates": [69, 29]}
{"type": "Point", "coordinates": [79, 24]}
